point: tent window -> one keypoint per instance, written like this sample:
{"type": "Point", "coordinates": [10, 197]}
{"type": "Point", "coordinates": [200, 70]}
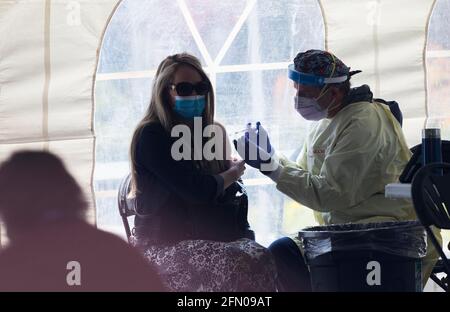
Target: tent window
{"type": "Point", "coordinates": [245, 46]}
{"type": "Point", "coordinates": [438, 74]}
{"type": "Point", "coordinates": [438, 67]}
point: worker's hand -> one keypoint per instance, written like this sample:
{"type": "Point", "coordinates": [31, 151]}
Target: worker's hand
{"type": "Point", "coordinates": [259, 136]}
{"type": "Point", "coordinates": [253, 155]}
{"type": "Point", "coordinates": [263, 141]}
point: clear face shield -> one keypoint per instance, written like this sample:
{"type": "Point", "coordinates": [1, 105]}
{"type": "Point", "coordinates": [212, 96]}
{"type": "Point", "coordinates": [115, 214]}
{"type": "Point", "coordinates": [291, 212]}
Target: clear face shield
{"type": "Point", "coordinates": [312, 80]}
{"type": "Point", "coordinates": [315, 81]}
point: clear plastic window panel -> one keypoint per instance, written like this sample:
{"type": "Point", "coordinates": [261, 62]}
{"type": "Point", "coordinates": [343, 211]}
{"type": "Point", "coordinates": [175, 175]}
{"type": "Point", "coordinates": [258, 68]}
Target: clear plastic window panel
{"type": "Point", "coordinates": [245, 47]}
{"type": "Point", "coordinates": [438, 74]}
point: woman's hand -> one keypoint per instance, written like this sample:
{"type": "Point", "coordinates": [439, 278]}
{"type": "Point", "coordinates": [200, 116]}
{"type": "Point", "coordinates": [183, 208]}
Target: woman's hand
{"type": "Point", "coordinates": [238, 167]}
{"type": "Point", "coordinates": [236, 170]}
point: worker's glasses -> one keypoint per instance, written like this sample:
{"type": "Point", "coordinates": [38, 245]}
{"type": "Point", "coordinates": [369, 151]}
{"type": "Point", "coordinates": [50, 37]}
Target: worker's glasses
{"type": "Point", "coordinates": [186, 88]}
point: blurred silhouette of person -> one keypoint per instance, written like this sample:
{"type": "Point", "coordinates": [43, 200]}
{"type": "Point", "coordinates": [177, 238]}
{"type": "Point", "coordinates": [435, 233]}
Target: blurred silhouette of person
{"type": "Point", "coordinates": [51, 247]}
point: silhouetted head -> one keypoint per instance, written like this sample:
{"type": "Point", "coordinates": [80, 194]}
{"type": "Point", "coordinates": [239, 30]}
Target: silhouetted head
{"type": "Point", "coordinates": [37, 190]}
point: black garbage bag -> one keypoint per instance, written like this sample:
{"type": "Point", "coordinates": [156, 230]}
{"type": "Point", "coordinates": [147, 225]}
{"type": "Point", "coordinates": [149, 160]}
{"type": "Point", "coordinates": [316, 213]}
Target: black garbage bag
{"type": "Point", "coordinates": [406, 239]}
{"type": "Point", "coordinates": [340, 257]}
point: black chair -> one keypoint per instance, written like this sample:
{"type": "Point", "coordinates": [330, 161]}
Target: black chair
{"type": "Point", "coordinates": [127, 206]}
{"type": "Point", "coordinates": [431, 197]}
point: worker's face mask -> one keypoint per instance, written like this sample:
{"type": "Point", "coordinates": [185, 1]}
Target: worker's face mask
{"type": "Point", "coordinates": [310, 109]}
{"type": "Point", "coordinates": [190, 106]}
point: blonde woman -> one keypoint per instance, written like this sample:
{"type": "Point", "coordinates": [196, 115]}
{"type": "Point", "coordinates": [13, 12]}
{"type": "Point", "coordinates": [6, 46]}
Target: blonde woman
{"type": "Point", "coordinates": [187, 223]}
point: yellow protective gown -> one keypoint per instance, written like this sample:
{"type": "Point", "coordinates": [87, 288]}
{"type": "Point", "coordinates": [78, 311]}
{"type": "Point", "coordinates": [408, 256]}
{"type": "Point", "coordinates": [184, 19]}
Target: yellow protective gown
{"type": "Point", "coordinates": [345, 165]}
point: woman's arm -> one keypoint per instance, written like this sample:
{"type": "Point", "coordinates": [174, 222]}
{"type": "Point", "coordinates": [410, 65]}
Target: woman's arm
{"type": "Point", "coordinates": [227, 151]}
{"type": "Point", "coordinates": [235, 168]}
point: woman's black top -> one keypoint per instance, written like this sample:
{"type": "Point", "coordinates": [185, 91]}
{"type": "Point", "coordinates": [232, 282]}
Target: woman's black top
{"type": "Point", "coordinates": [176, 201]}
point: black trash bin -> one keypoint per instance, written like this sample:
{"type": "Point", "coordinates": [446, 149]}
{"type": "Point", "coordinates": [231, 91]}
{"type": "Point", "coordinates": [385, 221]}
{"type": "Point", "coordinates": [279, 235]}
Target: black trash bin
{"type": "Point", "coordinates": [371, 257]}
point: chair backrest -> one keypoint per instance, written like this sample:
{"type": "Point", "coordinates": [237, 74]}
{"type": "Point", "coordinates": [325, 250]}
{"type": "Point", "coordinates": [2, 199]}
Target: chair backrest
{"type": "Point", "coordinates": [431, 197]}
{"type": "Point", "coordinates": [126, 205]}
{"type": "Point", "coordinates": [415, 163]}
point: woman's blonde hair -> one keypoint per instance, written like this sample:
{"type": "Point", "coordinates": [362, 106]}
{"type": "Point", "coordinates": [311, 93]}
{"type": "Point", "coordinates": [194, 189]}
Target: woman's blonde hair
{"type": "Point", "coordinates": [160, 110]}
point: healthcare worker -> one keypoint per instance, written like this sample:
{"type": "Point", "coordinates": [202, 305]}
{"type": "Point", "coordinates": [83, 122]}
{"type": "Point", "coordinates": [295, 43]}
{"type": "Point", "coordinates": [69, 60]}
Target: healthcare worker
{"type": "Point", "coordinates": [355, 147]}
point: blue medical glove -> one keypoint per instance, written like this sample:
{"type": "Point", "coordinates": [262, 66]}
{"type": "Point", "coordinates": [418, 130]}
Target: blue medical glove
{"type": "Point", "coordinates": [253, 155]}
{"type": "Point", "coordinates": [259, 137]}
{"type": "Point", "coordinates": [263, 141]}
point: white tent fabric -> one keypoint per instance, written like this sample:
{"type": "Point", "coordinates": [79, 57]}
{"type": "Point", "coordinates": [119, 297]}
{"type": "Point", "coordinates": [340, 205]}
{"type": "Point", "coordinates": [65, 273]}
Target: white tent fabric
{"type": "Point", "coordinates": [386, 40]}
{"type": "Point", "coordinates": [48, 57]}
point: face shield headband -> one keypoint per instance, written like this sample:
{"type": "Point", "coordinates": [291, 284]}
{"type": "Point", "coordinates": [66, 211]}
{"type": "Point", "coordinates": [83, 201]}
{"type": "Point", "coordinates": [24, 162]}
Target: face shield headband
{"type": "Point", "coordinates": [312, 80]}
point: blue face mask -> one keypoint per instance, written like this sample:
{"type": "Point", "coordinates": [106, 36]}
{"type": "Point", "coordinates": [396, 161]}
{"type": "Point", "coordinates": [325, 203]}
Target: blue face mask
{"type": "Point", "coordinates": [190, 106]}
